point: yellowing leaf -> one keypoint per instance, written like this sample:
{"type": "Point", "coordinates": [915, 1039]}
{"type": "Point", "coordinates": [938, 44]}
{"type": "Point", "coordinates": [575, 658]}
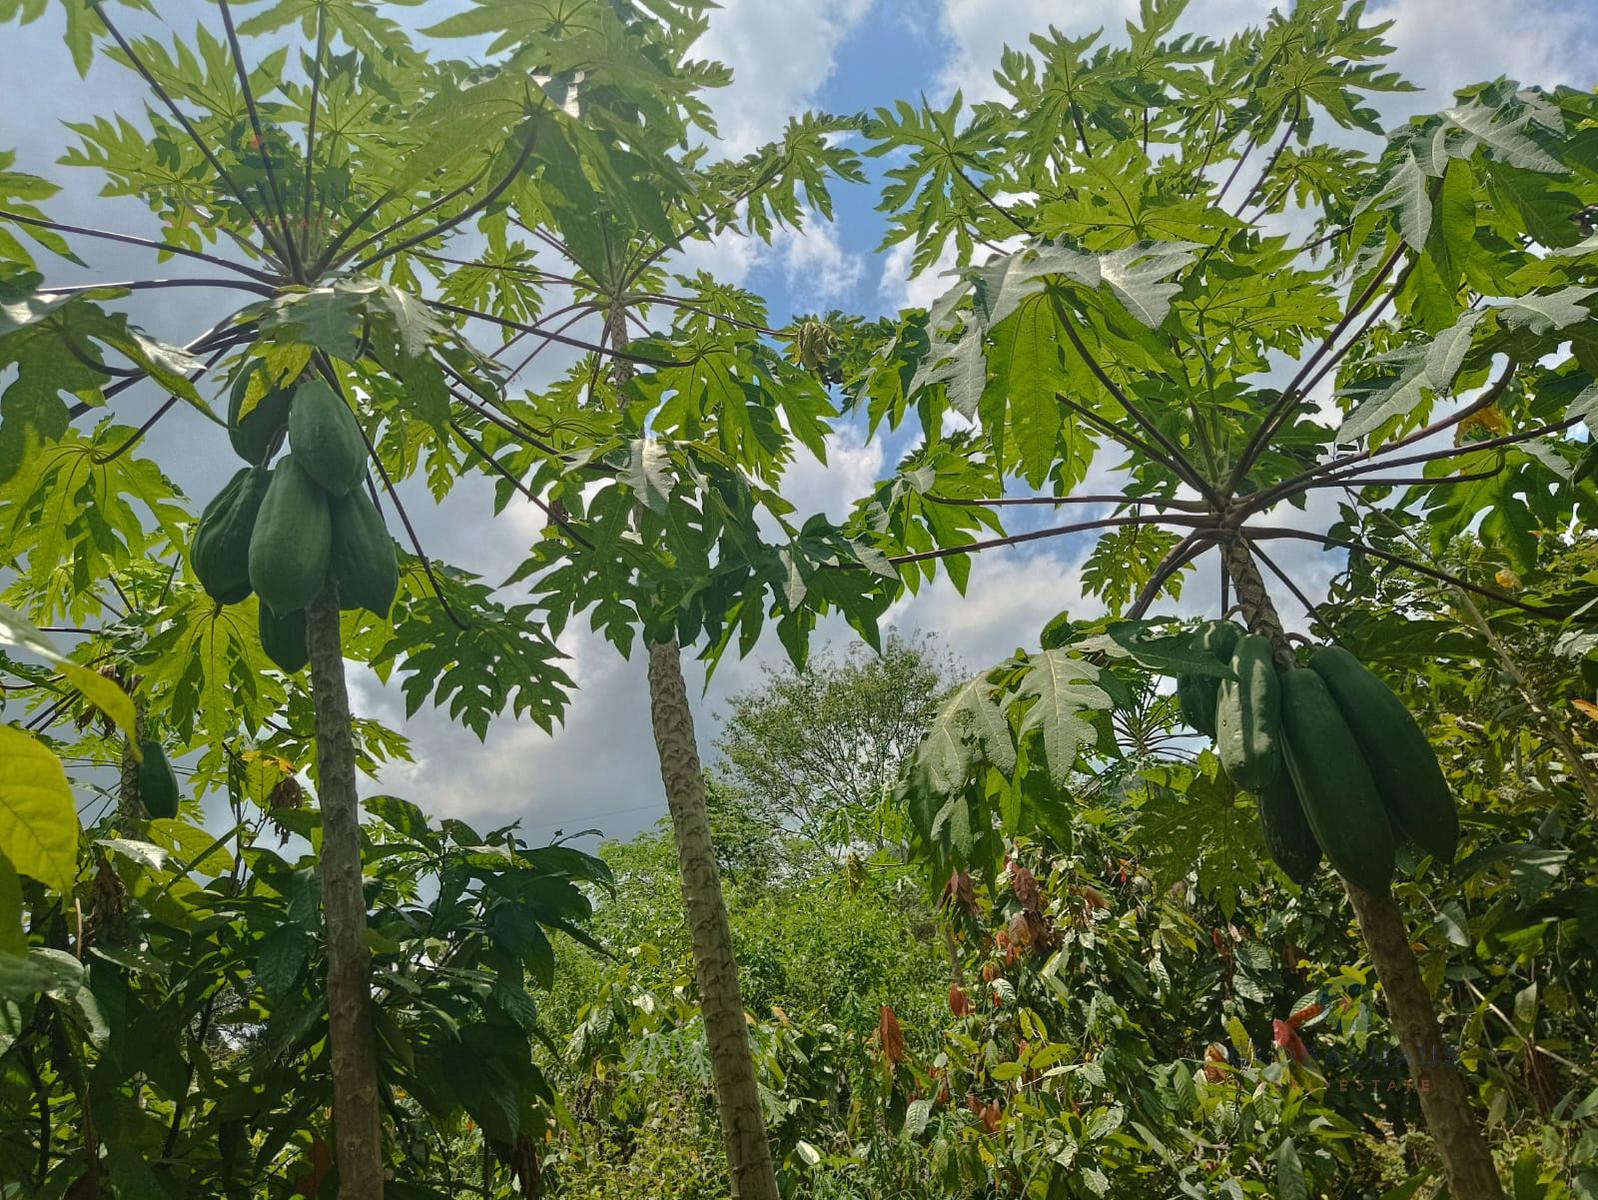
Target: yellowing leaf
{"type": "Point", "coordinates": [38, 820]}
{"type": "Point", "coordinates": [1485, 423]}
{"type": "Point", "coordinates": [1507, 579]}
{"type": "Point", "coordinates": [103, 693]}
{"type": "Point", "coordinates": [1586, 708]}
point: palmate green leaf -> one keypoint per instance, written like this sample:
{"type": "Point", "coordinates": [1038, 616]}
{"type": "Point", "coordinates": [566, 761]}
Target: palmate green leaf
{"type": "Point", "coordinates": [204, 670]}
{"type": "Point", "coordinates": [1544, 313]}
{"type": "Point", "coordinates": [71, 518]}
{"type": "Point", "coordinates": [1406, 194]}
{"type": "Point", "coordinates": [1062, 688]}
{"type": "Point", "coordinates": [970, 727]}
{"type": "Point", "coordinates": [1424, 371]}
{"type": "Point", "coordinates": [649, 473]}
{"type": "Point", "coordinates": [503, 660]}
{"type": "Point", "coordinates": [1027, 374]}
{"type": "Point", "coordinates": [958, 365]}
{"type": "Point", "coordinates": [1504, 133]}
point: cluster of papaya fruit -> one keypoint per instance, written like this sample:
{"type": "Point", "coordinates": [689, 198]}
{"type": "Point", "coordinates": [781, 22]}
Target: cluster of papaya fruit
{"type": "Point", "coordinates": [1335, 759]}
{"type": "Point", "coordinates": [286, 531]}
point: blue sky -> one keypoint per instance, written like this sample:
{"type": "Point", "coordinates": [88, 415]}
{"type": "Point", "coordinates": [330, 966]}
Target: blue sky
{"type": "Point", "coordinates": [840, 55]}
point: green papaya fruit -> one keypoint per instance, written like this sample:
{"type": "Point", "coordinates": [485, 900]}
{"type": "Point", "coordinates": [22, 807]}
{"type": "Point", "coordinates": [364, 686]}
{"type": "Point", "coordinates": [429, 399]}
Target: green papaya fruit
{"type": "Point", "coordinates": [220, 552]}
{"type": "Point", "coordinates": [293, 541]}
{"type": "Point", "coordinates": [1197, 694]}
{"type": "Point", "coordinates": [326, 439]}
{"type": "Point", "coordinates": [1248, 716]}
{"type": "Point", "coordinates": [283, 639]}
{"type": "Point", "coordinates": [158, 785]}
{"type": "Point", "coordinates": [254, 435]}
{"type": "Point", "coordinates": [1288, 837]}
{"type": "Point", "coordinates": [1334, 785]}
{"type": "Point", "coordinates": [365, 564]}
{"type": "Point", "coordinates": [1401, 761]}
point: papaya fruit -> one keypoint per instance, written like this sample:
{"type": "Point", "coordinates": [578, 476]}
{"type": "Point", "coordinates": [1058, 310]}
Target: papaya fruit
{"type": "Point", "coordinates": [1288, 837]}
{"type": "Point", "coordinates": [220, 552]}
{"type": "Point", "coordinates": [293, 540]}
{"type": "Point", "coordinates": [365, 565]}
{"type": "Point", "coordinates": [326, 439]}
{"type": "Point", "coordinates": [1334, 786]}
{"type": "Point", "coordinates": [1401, 761]}
{"type": "Point", "coordinates": [283, 639]}
{"type": "Point", "coordinates": [254, 435]}
{"type": "Point", "coordinates": [158, 785]}
{"type": "Point", "coordinates": [1197, 694]}
{"type": "Point", "coordinates": [1248, 716]}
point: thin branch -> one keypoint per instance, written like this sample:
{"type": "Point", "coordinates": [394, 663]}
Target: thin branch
{"type": "Point", "coordinates": [678, 302]}
{"type": "Point", "coordinates": [194, 134]}
{"type": "Point", "coordinates": [1177, 460]}
{"type": "Point", "coordinates": [133, 438]}
{"type": "Point", "coordinates": [1290, 394]}
{"type": "Point", "coordinates": [1276, 155]}
{"type": "Point", "coordinates": [1248, 149]}
{"type": "Point", "coordinates": [331, 255]}
{"type": "Point", "coordinates": [215, 338]}
{"type": "Point", "coordinates": [1035, 535]}
{"type": "Point", "coordinates": [130, 240]}
{"type": "Point", "coordinates": [146, 285]}
{"type": "Point", "coordinates": [1409, 480]}
{"type": "Point", "coordinates": [507, 323]}
{"type": "Point", "coordinates": [1326, 539]}
{"type": "Point", "coordinates": [504, 473]}
{"type": "Point", "coordinates": [699, 225]}
{"type": "Point", "coordinates": [291, 248]}
{"type": "Point", "coordinates": [310, 129]}
{"type": "Point", "coordinates": [1175, 559]}
{"type": "Point", "coordinates": [1009, 216]}
{"type": "Point", "coordinates": [1287, 581]}
{"type": "Point", "coordinates": [1193, 506]}
{"type": "Point", "coordinates": [1129, 440]}
{"type": "Point", "coordinates": [1383, 463]}
{"type": "Point", "coordinates": [471, 210]}
{"type": "Point", "coordinates": [1491, 396]}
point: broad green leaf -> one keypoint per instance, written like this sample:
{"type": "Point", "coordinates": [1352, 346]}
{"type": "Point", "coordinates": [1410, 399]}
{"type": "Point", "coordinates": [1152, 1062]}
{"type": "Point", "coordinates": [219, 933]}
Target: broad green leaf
{"type": "Point", "coordinates": [38, 819]}
{"type": "Point", "coordinates": [1290, 1181]}
{"type": "Point", "coordinates": [1063, 687]}
{"type": "Point", "coordinates": [1425, 371]}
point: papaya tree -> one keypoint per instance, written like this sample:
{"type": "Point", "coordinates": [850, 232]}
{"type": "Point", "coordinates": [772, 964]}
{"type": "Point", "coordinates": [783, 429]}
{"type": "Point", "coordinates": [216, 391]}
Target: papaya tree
{"type": "Point", "coordinates": [657, 455]}
{"type": "Point", "coordinates": [1167, 274]}
{"type": "Point", "coordinates": [320, 190]}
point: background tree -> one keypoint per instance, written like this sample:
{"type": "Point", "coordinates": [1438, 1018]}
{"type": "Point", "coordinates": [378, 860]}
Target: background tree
{"type": "Point", "coordinates": [819, 751]}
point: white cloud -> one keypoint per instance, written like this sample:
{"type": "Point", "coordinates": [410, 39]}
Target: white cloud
{"type": "Point", "coordinates": [781, 53]}
{"type": "Point", "coordinates": [1439, 44]}
{"type": "Point", "coordinates": [901, 289]}
{"type": "Point", "coordinates": [818, 270]}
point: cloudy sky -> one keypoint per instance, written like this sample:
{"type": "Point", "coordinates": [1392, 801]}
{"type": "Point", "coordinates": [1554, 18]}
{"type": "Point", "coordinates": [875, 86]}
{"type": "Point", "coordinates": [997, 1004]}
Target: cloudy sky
{"type": "Point", "coordinates": [839, 55]}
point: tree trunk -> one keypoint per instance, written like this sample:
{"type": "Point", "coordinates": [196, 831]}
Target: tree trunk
{"type": "Point", "coordinates": [357, 1122]}
{"type": "Point", "coordinates": [1444, 1100]}
{"type": "Point", "coordinates": [743, 1125]}
{"type": "Point", "coordinates": [130, 804]}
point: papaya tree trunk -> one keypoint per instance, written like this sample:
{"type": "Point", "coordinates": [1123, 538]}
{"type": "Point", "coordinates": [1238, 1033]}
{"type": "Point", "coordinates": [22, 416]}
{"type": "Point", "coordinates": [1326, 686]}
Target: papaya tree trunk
{"type": "Point", "coordinates": [357, 1121]}
{"type": "Point", "coordinates": [743, 1124]}
{"type": "Point", "coordinates": [1444, 1100]}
